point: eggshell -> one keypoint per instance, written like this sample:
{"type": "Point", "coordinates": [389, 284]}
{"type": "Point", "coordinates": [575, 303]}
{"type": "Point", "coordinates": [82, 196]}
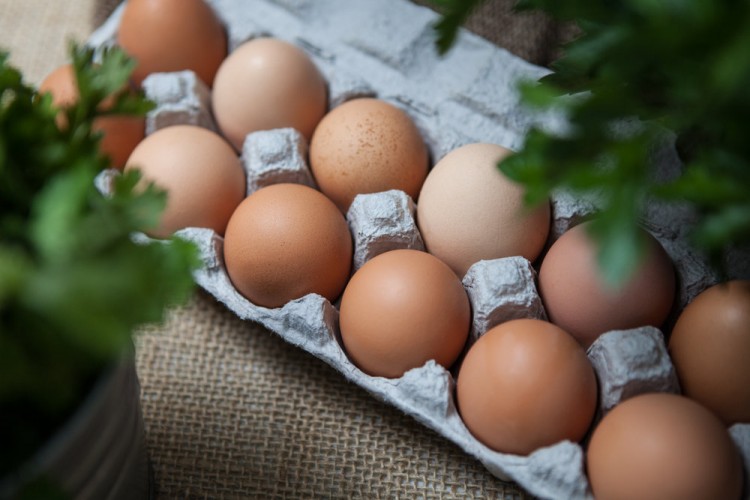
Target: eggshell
{"type": "Point", "coordinates": [526, 384]}
{"type": "Point", "coordinates": [401, 309]}
{"type": "Point", "coordinates": [172, 35]}
{"type": "Point", "coordinates": [577, 298]}
{"type": "Point", "coordinates": [710, 348]}
{"type": "Point", "coordinates": [199, 170]}
{"type": "Point", "coordinates": [469, 211]}
{"type": "Point", "coordinates": [663, 446]}
{"type": "Point", "coordinates": [365, 146]}
{"type": "Point", "coordinates": [267, 83]}
{"type": "Point", "coordinates": [285, 241]}
{"type": "Point", "coordinates": [120, 134]}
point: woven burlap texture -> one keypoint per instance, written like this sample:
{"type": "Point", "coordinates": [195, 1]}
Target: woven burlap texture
{"type": "Point", "coordinates": [231, 410]}
{"type": "Point", "coordinates": [36, 33]}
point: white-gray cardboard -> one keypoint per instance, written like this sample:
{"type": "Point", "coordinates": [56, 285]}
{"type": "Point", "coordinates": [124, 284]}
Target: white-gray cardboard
{"type": "Point", "coordinates": [182, 98]}
{"type": "Point", "coordinates": [631, 362]}
{"type": "Point", "coordinates": [501, 290]}
{"type": "Point", "coordinates": [386, 49]}
{"type": "Point", "coordinates": [741, 435]}
{"type": "Point", "coordinates": [380, 222]}
{"type": "Point", "coordinates": [275, 156]}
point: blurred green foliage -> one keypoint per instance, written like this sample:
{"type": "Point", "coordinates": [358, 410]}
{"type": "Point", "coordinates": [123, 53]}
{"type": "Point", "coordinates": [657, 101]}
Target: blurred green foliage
{"type": "Point", "coordinates": [74, 285]}
{"type": "Point", "coordinates": [638, 68]}
{"type": "Point", "coordinates": [455, 13]}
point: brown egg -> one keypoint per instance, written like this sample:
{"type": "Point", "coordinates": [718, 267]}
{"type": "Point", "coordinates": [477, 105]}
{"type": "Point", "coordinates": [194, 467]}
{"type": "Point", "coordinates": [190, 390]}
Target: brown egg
{"type": "Point", "coordinates": [265, 84]}
{"type": "Point", "coordinates": [663, 446]}
{"type": "Point", "coordinates": [285, 241]}
{"type": "Point", "coordinates": [526, 384]}
{"type": "Point", "coordinates": [469, 211]}
{"type": "Point", "coordinates": [577, 298]}
{"type": "Point", "coordinates": [199, 170]}
{"type": "Point", "coordinates": [120, 134]}
{"type": "Point", "coordinates": [172, 35]}
{"type": "Point", "coordinates": [401, 309]}
{"type": "Point", "coordinates": [367, 146]}
{"type": "Point", "coordinates": [710, 348]}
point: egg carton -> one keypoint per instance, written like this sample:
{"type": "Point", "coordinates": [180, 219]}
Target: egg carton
{"type": "Point", "coordinates": [386, 50]}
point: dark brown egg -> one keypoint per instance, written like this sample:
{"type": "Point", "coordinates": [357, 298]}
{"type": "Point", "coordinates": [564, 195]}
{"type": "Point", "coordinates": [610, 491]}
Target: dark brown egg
{"type": "Point", "coordinates": [710, 348]}
{"type": "Point", "coordinates": [659, 446]}
{"type": "Point", "coordinates": [401, 309]}
{"type": "Point", "coordinates": [172, 35]}
{"type": "Point", "coordinates": [526, 384]}
{"type": "Point", "coordinates": [285, 241]}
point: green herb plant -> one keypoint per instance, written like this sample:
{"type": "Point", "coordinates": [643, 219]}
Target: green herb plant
{"type": "Point", "coordinates": [74, 285]}
{"type": "Point", "coordinates": [641, 68]}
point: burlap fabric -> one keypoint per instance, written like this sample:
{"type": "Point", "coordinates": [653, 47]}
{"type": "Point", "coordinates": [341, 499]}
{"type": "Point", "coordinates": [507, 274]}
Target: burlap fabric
{"type": "Point", "coordinates": [231, 410]}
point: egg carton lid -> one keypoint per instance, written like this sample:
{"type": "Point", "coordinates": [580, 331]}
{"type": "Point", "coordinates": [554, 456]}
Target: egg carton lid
{"type": "Point", "coordinates": [386, 49]}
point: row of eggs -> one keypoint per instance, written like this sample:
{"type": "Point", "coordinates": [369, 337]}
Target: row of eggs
{"type": "Point", "coordinates": [405, 307]}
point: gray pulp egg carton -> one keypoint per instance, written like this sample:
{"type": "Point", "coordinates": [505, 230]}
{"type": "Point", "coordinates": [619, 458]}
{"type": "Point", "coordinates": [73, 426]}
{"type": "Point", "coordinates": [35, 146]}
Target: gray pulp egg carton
{"type": "Point", "coordinates": [386, 49]}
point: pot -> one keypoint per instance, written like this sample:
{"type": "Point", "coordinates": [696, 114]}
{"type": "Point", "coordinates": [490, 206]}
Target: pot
{"type": "Point", "coordinates": [100, 452]}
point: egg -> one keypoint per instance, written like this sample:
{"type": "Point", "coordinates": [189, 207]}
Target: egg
{"type": "Point", "coordinates": [364, 146]}
{"type": "Point", "coordinates": [120, 133]}
{"type": "Point", "coordinates": [285, 241]}
{"type": "Point", "coordinates": [710, 348]}
{"type": "Point", "coordinates": [577, 298]}
{"type": "Point", "coordinates": [172, 35]}
{"type": "Point", "coordinates": [401, 309]}
{"type": "Point", "coordinates": [526, 384]}
{"type": "Point", "coordinates": [200, 172]}
{"type": "Point", "coordinates": [469, 211]}
{"type": "Point", "coordinates": [662, 446]}
{"type": "Point", "coordinates": [268, 83]}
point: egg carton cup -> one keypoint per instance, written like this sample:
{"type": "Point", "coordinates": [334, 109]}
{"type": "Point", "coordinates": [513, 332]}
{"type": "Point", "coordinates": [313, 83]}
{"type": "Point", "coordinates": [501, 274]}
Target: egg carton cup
{"type": "Point", "coordinates": [183, 100]}
{"type": "Point", "coordinates": [386, 50]}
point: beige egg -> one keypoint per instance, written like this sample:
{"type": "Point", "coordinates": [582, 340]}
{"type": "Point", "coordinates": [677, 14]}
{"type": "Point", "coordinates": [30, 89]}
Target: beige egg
{"type": "Point", "coordinates": [526, 384]}
{"type": "Point", "coordinates": [172, 35]}
{"type": "Point", "coordinates": [469, 211]}
{"type": "Point", "coordinates": [658, 446]}
{"type": "Point", "coordinates": [367, 146]}
{"type": "Point", "coordinates": [200, 172]}
{"type": "Point", "coordinates": [710, 348]}
{"type": "Point", "coordinates": [401, 309]}
{"type": "Point", "coordinates": [264, 84]}
{"type": "Point", "coordinates": [577, 298]}
{"type": "Point", "coordinates": [285, 241]}
{"type": "Point", "coordinates": [120, 133]}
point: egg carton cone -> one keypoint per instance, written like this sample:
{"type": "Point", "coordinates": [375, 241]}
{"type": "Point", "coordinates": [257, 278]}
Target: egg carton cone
{"type": "Point", "coordinates": [741, 435]}
{"type": "Point", "coordinates": [183, 100]}
{"type": "Point", "coordinates": [386, 49]}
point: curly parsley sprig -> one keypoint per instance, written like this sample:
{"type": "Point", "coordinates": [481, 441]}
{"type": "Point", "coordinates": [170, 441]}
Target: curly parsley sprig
{"type": "Point", "coordinates": [74, 286]}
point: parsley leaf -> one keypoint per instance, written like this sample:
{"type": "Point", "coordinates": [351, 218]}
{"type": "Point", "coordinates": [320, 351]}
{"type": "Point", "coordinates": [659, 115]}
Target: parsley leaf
{"type": "Point", "coordinates": [455, 13]}
{"type": "Point", "coordinates": [74, 284]}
